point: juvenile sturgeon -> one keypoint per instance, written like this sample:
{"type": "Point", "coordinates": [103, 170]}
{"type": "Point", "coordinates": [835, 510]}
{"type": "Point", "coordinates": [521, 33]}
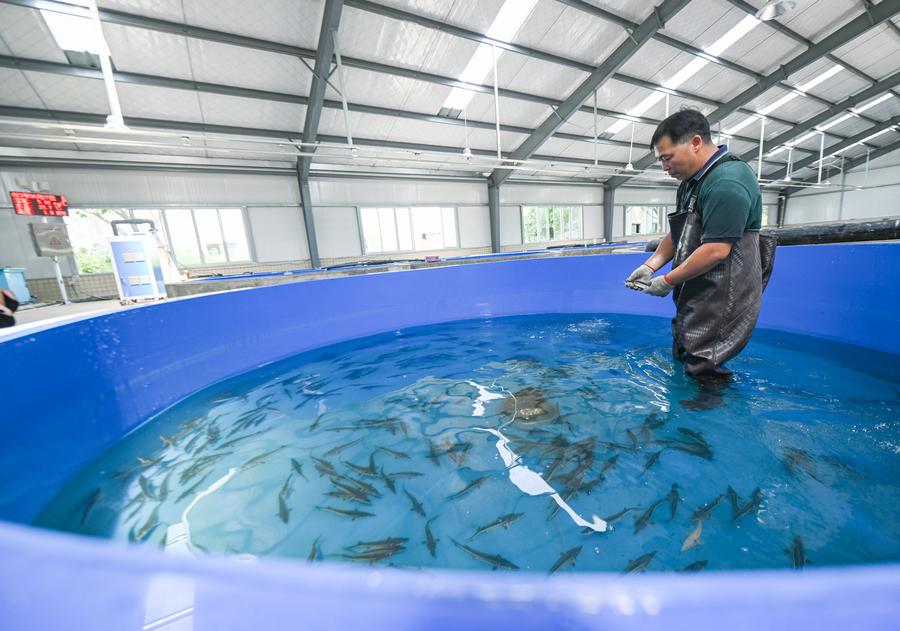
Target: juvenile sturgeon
{"type": "Point", "coordinates": [92, 501]}
{"type": "Point", "coordinates": [693, 539]}
{"type": "Point", "coordinates": [750, 506]}
{"type": "Point", "coordinates": [474, 484]}
{"type": "Point", "coordinates": [704, 511]}
{"type": "Point", "coordinates": [261, 458]}
{"type": "Point", "coordinates": [503, 520]}
{"type": "Point", "coordinates": [494, 560]}
{"type": "Point", "coordinates": [416, 504]}
{"type": "Point", "coordinates": [797, 554]}
{"type": "Point", "coordinates": [639, 564]}
{"type": "Point", "coordinates": [430, 541]}
{"type": "Point", "coordinates": [569, 556]}
{"type": "Point", "coordinates": [352, 514]}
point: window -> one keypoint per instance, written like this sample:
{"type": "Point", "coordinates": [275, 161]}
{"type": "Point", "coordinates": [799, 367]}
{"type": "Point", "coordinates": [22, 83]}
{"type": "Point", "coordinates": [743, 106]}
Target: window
{"type": "Point", "coordinates": [183, 245]}
{"type": "Point", "coordinates": [193, 236]}
{"type": "Point", "coordinates": [765, 215]}
{"type": "Point", "coordinates": [641, 220]}
{"type": "Point", "coordinates": [234, 234]}
{"type": "Point", "coordinates": [202, 236]}
{"type": "Point", "coordinates": [551, 223]}
{"type": "Point", "coordinates": [408, 229]}
{"type": "Point", "coordinates": [89, 232]}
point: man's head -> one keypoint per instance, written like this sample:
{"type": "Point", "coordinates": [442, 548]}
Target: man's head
{"type": "Point", "coordinates": [683, 144]}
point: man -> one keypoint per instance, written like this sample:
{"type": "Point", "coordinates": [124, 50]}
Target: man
{"type": "Point", "coordinates": [720, 262]}
{"type": "Point", "coordinates": [8, 304]}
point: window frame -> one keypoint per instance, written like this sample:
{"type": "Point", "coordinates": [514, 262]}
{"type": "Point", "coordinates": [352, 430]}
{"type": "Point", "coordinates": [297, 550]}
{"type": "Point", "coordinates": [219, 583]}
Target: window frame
{"type": "Point", "coordinates": [412, 207]}
{"type": "Point", "coordinates": [245, 221]}
{"type": "Point", "coordinates": [522, 208]}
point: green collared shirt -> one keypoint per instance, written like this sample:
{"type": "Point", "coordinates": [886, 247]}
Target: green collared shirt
{"type": "Point", "coordinates": [730, 202]}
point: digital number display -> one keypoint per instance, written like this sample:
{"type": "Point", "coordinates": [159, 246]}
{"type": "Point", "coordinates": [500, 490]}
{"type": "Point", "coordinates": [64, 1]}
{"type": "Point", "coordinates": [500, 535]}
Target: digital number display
{"type": "Point", "coordinates": [45, 204]}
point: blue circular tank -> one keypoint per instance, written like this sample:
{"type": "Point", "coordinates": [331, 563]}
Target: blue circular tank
{"type": "Point", "coordinates": [73, 390]}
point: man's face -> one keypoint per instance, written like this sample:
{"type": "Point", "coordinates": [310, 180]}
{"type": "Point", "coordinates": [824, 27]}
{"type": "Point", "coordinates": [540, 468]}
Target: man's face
{"type": "Point", "coordinates": [679, 161]}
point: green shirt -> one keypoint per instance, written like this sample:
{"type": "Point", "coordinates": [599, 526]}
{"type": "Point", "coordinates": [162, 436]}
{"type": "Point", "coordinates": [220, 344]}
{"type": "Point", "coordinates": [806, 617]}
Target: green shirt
{"type": "Point", "coordinates": [730, 203]}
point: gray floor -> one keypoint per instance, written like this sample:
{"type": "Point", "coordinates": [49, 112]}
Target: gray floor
{"type": "Point", "coordinates": [28, 314]}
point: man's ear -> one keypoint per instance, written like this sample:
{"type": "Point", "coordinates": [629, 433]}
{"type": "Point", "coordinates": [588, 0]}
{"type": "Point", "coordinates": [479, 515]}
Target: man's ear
{"type": "Point", "coordinates": [696, 143]}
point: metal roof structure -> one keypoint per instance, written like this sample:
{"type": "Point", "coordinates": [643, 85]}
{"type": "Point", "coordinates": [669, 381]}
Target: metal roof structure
{"type": "Point", "coordinates": [373, 86]}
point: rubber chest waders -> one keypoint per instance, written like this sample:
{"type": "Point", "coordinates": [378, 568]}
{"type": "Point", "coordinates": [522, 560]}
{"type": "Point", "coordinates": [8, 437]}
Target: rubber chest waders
{"type": "Point", "coordinates": [715, 313]}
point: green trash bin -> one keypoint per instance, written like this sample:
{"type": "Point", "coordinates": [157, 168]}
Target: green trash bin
{"type": "Point", "coordinates": [13, 279]}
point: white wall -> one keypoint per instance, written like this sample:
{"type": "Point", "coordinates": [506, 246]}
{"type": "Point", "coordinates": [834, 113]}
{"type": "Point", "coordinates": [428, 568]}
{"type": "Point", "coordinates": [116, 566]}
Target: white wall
{"type": "Point", "coordinates": [337, 232]}
{"type": "Point", "coordinates": [107, 187]}
{"type": "Point", "coordinates": [878, 195]}
{"type": "Point", "coordinates": [276, 220]}
{"type": "Point", "coordinates": [17, 250]}
{"type": "Point", "coordinates": [278, 233]}
{"type": "Point", "coordinates": [549, 194]}
{"type": "Point", "coordinates": [510, 225]}
{"type": "Point", "coordinates": [474, 227]}
{"type": "Point", "coordinates": [372, 192]}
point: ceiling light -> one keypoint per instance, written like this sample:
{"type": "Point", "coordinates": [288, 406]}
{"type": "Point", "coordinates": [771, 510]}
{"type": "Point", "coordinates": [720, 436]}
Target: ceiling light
{"type": "Point", "coordinates": [504, 28]}
{"type": "Point", "coordinates": [733, 35]}
{"type": "Point", "coordinates": [820, 78]}
{"type": "Point", "coordinates": [790, 96]}
{"type": "Point", "coordinates": [733, 130]}
{"type": "Point", "coordinates": [72, 32]}
{"type": "Point", "coordinates": [774, 9]}
{"type": "Point", "coordinates": [881, 99]}
{"type": "Point", "coordinates": [698, 63]}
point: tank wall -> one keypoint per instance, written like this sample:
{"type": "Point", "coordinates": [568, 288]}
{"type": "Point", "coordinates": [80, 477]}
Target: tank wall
{"type": "Point", "coordinates": [73, 390]}
{"type": "Point", "coordinates": [78, 388]}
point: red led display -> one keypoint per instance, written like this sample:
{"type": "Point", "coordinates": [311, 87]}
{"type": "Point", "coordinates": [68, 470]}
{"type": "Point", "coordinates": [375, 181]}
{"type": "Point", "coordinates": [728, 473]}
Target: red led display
{"type": "Point", "coordinates": [45, 204]}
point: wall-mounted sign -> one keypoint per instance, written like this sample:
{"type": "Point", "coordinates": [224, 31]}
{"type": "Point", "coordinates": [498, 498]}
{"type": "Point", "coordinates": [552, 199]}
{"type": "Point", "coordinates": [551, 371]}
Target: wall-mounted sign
{"type": "Point", "coordinates": [51, 239]}
{"type": "Point", "coordinates": [45, 204]}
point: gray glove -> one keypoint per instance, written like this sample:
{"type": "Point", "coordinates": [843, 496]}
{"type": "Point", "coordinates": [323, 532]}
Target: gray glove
{"type": "Point", "coordinates": [640, 278]}
{"type": "Point", "coordinates": [659, 287]}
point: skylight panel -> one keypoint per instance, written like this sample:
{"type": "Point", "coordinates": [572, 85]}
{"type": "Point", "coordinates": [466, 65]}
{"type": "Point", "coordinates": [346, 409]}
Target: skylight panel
{"type": "Point", "coordinates": [698, 63]}
{"type": "Point", "coordinates": [73, 32]}
{"type": "Point", "coordinates": [504, 28]}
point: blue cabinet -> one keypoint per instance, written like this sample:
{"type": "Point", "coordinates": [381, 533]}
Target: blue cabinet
{"type": "Point", "coordinates": [13, 278]}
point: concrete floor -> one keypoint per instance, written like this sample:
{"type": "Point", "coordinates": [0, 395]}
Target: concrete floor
{"type": "Point", "coordinates": [29, 314]}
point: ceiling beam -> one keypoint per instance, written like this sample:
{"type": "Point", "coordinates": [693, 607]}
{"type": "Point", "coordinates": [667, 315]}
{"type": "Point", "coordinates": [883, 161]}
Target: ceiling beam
{"type": "Point", "coordinates": [123, 18]}
{"type": "Point", "coordinates": [285, 135]}
{"type": "Point", "coordinates": [848, 103]}
{"type": "Point", "coordinates": [837, 147]}
{"type": "Point", "coordinates": [749, 9]}
{"type": "Point", "coordinates": [36, 65]}
{"type": "Point", "coordinates": [331, 21]}
{"type": "Point", "coordinates": [677, 44]}
{"type": "Point", "coordinates": [854, 28]}
{"type": "Point", "coordinates": [657, 19]}
{"type": "Point", "coordinates": [848, 165]}
{"type": "Point", "coordinates": [137, 21]}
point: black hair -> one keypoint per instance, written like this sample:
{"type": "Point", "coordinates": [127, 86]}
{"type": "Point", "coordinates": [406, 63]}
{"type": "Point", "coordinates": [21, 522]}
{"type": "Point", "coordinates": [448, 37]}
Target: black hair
{"type": "Point", "coordinates": [681, 127]}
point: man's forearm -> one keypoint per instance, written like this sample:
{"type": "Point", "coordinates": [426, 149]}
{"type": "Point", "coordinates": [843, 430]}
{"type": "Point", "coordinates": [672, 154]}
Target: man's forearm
{"type": "Point", "coordinates": [664, 253]}
{"type": "Point", "coordinates": [703, 259]}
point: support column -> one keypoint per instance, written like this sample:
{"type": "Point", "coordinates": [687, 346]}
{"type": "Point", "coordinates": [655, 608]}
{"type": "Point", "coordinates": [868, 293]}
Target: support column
{"type": "Point", "coordinates": [782, 208]}
{"type": "Point", "coordinates": [494, 208]}
{"type": "Point", "coordinates": [609, 205]}
{"type": "Point", "coordinates": [309, 221]}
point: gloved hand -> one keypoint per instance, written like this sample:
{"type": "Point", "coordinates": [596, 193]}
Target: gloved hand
{"type": "Point", "coordinates": [659, 286]}
{"type": "Point", "coordinates": [642, 275]}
